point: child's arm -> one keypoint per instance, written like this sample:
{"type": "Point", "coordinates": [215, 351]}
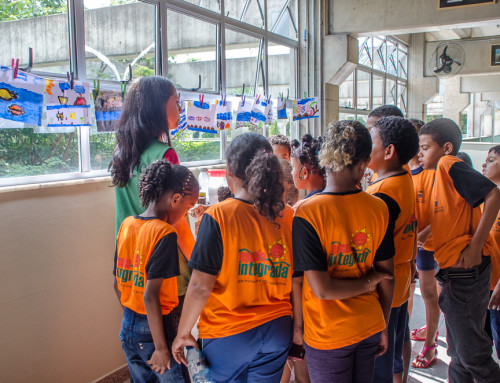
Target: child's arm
{"type": "Point", "coordinates": [117, 290]}
{"type": "Point", "coordinates": [472, 254]}
{"type": "Point", "coordinates": [385, 291]}
{"type": "Point", "coordinates": [298, 319]}
{"type": "Point", "coordinates": [423, 235]}
{"type": "Point", "coordinates": [199, 289]}
{"type": "Point", "coordinates": [328, 288]}
{"type": "Point", "coordinates": [160, 360]}
{"type": "Point", "coordinates": [495, 298]}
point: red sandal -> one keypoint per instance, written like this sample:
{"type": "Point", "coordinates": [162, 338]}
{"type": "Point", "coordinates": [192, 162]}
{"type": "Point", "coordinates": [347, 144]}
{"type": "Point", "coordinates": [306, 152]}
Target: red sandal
{"type": "Point", "coordinates": [415, 331]}
{"type": "Point", "coordinates": [420, 361]}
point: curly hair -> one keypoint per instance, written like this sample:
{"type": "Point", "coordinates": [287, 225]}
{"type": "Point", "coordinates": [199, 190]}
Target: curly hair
{"type": "Point", "coordinates": [346, 144]}
{"type": "Point", "coordinates": [402, 134]}
{"type": "Point", "coordinates": [143, 119]}
{"type": "Point", "coordinates": [417, 123]}
{"type": "Point", "coordinates": [223, 193]}
{"type": "Point", "coordinates": [161, 177]}
{"type": "Point", "coordinates": [443, 130]}
{"type": "Point", "coordinates": [250, 158]}
{"type": "Point", "coordinates": [307, 152]}
{"type": "Point", "coordinates": [386, 111]}
{"type": "Point", "coordinates": [293, 194]}
{"type": "Point", "coordinates": [279, 139]}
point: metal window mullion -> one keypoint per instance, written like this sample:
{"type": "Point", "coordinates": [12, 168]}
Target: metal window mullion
{"type": "Point", "coordinates": [222, 74]}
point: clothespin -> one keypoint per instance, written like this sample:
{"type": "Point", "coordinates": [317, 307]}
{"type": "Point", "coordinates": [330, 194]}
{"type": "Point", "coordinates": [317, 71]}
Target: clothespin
{"type": "Point", "coordinates": [15, 66]}
{"type": "Point", "coordinates": [305, 94]}
{"type": "Point", "coordinates": [281, 96]}
{"type": "Point", "coordinates": [179, 100]}
{"type": "Point", "coordinates": [123, 86]}
{"type": "Point", "coordinates": [268, 99]}
{"type": "Point", "coordinates": [288, 93]}
{"type": "Point", "coordinates": [96, 89]}
{"type": "Point", "coordinates": [224, 100]}
{"type": "Point", "coordinates": [71, 79]}
{"type": "Point", "coordinates": [201, 97]}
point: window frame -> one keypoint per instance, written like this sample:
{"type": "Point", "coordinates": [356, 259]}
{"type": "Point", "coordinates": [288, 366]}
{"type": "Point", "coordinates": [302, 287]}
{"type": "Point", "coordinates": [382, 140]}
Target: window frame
{"type": "Point", "coordinates": [77, 61]}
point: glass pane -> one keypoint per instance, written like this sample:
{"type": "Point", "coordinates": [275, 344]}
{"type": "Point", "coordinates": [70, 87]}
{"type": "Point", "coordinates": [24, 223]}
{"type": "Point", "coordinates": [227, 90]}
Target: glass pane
{"type": "Point", "coordinates": [347, 116]}
{"type": "Point", "coordinates": [402, 97]}
{"type": "Point", "coordinates": [213, 5]}
{"type": "Point", "coordinates": [363, 95]}
{"type": "Point", "coordinates": [26, 24]}
{"type": "Point", "coordinates": [362, 118]}
{"type": "Point", "coordinates": [390, 92]}
{"type": "Point", "coordinates": [282, 18]}
{"type": "Point", "coordinates": [191, 55]}
{"type": "Point", "coordinates": [26, 153]}
{"type": "Point", "coordinates": [392, 58]}
{"type": "Point", "coordinates": [242, 63]}
{"type": "Point", "coordinates": [403, 64]}
{"type": "Point", "coordinates": [378, 91]}
{"type": "Point", "coordinates": [248, 11]}
{"type": "Point", "coordinates": [281, 61]}
{"type": "Point", "coordinates": [346, 92]}
{"type": "Point", "coordinates": [102, 146]}
{"type": "Point", "coordinates": [365, 51]}
{"type": "Point", "coordinates": [119, 35]}
{"type": "Point", "coordinates": [379, 54]}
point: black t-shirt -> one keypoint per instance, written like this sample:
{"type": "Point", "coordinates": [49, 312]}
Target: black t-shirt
{"type": "Point", "coordinates": [469, 183]}
{"type": "Point", "coordinates": [208, 251]}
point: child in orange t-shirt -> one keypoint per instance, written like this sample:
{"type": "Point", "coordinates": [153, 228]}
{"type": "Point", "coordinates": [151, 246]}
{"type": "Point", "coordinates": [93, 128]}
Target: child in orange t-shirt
{"type": "Point", "coordinates": [395, 142]}
{"type": "Point", "coordinates": [146, 264]}
{"type": "Point", "coordinates": [242, 272]}
{"type": "Point", "coordinates": [339, 235]}
{"type": "Point", "coordinates": [462, 248]}
{"type": "Point", "coordinates": [491, 169]}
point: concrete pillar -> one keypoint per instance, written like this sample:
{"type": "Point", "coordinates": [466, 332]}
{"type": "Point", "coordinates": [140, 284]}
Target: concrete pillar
{"type": "Point", "coordinates": [420, 89]}
{"type": "Point", "coordinates": [454, 102]}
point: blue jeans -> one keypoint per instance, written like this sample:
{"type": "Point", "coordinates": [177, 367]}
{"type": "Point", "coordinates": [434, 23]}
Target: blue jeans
{"type": "Point", "coordinates": [352, 363]}
{"type": "Point", "coordinates": [392, 361]}
{"type": "Point", "coordinates": [257, 355]}
{"type": "Point", "coordinates": [138, 346]}
{"type": "Point", "coordinates": [495, 329]}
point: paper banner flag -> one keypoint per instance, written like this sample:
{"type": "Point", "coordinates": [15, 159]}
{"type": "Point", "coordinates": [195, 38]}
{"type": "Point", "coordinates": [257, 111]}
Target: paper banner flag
{"type": "Point", "coordinates": [260, 110]}
{"type": "Point", "coordinates": [282, 109]}
{"type": "Point", "coordinates": [66, 106]}
{"type": "Point", "coordinates": [21, 99]}
{"type": "Point", "coordinates": [305, 108]}
{"type": "Point", "coordinates": [201, 117]}
{"type": "Point", "coordinates": [182, 122]}
{"type": "Point", "coordinates": [270, 117]}
{"type": "Point", "coordinates": [244, 114]}
{"type": "Point", "coordinates": [108, 109]}
{"type": "Point", "coordinates": [224, 110]}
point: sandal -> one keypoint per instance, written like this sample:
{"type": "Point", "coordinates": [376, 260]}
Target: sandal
{"type": "Point", "coordinates": [420, 361]}
{"type": "Point", "coordinates": [415, 331]}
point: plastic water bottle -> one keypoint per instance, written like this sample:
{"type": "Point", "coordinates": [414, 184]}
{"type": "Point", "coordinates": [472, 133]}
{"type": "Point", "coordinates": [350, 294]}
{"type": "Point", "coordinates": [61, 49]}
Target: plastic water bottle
{"type": "Point", "coordinates": [198, 366]}
{"type": "Point", "coordinates": [204, 180]}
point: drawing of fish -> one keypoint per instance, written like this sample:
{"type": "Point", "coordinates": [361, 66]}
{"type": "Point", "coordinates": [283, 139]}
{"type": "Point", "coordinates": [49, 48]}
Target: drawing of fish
{"type": "Point", "coordinates": [16, 110]}
{"type": "Point", "coordinates": [7, 95]}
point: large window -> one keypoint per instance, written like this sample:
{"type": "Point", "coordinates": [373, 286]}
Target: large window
{"type": "Point", "coordinates": [212, 47]}
{"type": "Point", "coordinates": [379, 79]}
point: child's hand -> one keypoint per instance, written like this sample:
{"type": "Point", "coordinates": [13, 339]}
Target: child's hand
{"type": "Point", "coordinates": [375, 277]}
{"type": "Point", "coordinates": [495, 298]}
{"type": "Point", "coordinates": [469, 257]}
{"type": "Point", "coordinates": [383, 344]}
{"type": "Point", "coordinates": [178, 347]}
{"type": "Point", "coordinates": [160, 361]}
{"type": "Point", "coordinates": [197, 210]}
{"type": "Point", "coordinates": [298, 336]}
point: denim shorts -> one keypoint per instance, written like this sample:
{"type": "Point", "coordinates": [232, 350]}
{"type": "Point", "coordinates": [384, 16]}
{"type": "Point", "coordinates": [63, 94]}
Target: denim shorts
{"type": "Point", "coordinates": [138, 346]}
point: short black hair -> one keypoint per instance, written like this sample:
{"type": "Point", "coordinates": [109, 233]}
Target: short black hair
{"type": "Point", "coordinates": [402, 134]}
{"type": "Point", "coordinates": [443, 130]}
{"type": "Point", "coordinates": [279, 139]}
{"type": "Point", "coordinates": [417, 123]}
{"type": "Point", "coordinates": [495, 149]}
{"type": "Point", "coordinates": [465, 158]}
{"type": "Point", "coordinates": [386, 111]}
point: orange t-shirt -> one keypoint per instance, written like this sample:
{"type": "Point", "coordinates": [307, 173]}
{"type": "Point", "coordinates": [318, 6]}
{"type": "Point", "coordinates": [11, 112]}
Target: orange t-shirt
{"type": "Point", "coordinates": [495, 258]}
{"type": "Point", "coordinates": [146, 248]}
{"type": "Point", "coordinates": [342, 234]}
{"type": "Point", "coordinates": [398, 193]}
{"type": "Point", "coordinates": [457, 193]}
{"type": "Point", "coordinates": [422, 182]}
{"type": "Point", "coordinates": [252, 259]}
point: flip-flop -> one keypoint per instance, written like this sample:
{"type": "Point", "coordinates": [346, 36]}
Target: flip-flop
{"type": "Point", "coordinates": [415, 331]}
{"type": "Point", "coordinates": [420, 361]}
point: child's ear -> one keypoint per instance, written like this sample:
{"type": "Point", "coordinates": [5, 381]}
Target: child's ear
{"type": "Point", "coordinates": [305, 173]}
{"type": "Point", "coordinates": [448, 148]}
{"type": "Point", "coordinates": [390, 151]}
{"type": "Point", "coordinates": [175, 199]}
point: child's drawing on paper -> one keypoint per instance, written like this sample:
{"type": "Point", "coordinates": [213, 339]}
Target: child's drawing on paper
{"type": "Point", "coordinates": [182, 125]}
{"type": "Point", "coordinates": [282, 109]}
{"type": "Point", "coordinates": [260, 110]}
{"type": "Point", "coordinates": [224, 110]}
{"type": "Point", "coordinates": [108, 109]}
{"type": "Point", "coordinates": [21, 99]}
{"type": "Point", "coordinates": [66, 106]}
{"type": "Point", "coordinates": [201, 117]}
{"type": "Point", "coordinates": [305, 108]}
{"type": "Point", "coordinates": [244, 113]}
{"type": "Point", "coordinates": [270, 117]}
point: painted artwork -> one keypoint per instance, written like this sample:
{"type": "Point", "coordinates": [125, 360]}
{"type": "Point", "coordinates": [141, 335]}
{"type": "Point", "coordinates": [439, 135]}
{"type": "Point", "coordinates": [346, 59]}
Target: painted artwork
{"type": "Point", "coordinates": [260, 110]}
{"type": "Point", "coordinates": [270, 116]}
{"type": "Point", "coordinates": [224, 111]}
{"type": "Point", "coordinates": [21, 99]}
{"type": "Point", "coordinates": [65, 106]}
{"type": "Point", "coordinates": [282, 109]}
{"type": "Point", "coordinates": [244, 113]}
{"type": "Point", "coordinates": [201, 117]}
{"type": "Point", "coordinates": [305, 108]}
{"type": "Point", "coordinates": [182, 121]}
{"type": "Point", "coordinates": [108, 109]}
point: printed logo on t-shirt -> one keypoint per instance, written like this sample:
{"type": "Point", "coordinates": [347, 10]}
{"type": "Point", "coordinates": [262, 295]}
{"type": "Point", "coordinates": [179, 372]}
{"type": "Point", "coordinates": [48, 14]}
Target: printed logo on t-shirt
{"type": "Point", "coordinates": [411, 226]}
{"type": "Point", "coordinates": [342, 254]}
{"type": "Point", "coordinates": [438, 209]}
{"type": "Point", "coordinates": [126, 271]}
{"type": "Point", "coordinates": [264, 264]}
{"type": "Point", "coordinates": [420, 196]}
